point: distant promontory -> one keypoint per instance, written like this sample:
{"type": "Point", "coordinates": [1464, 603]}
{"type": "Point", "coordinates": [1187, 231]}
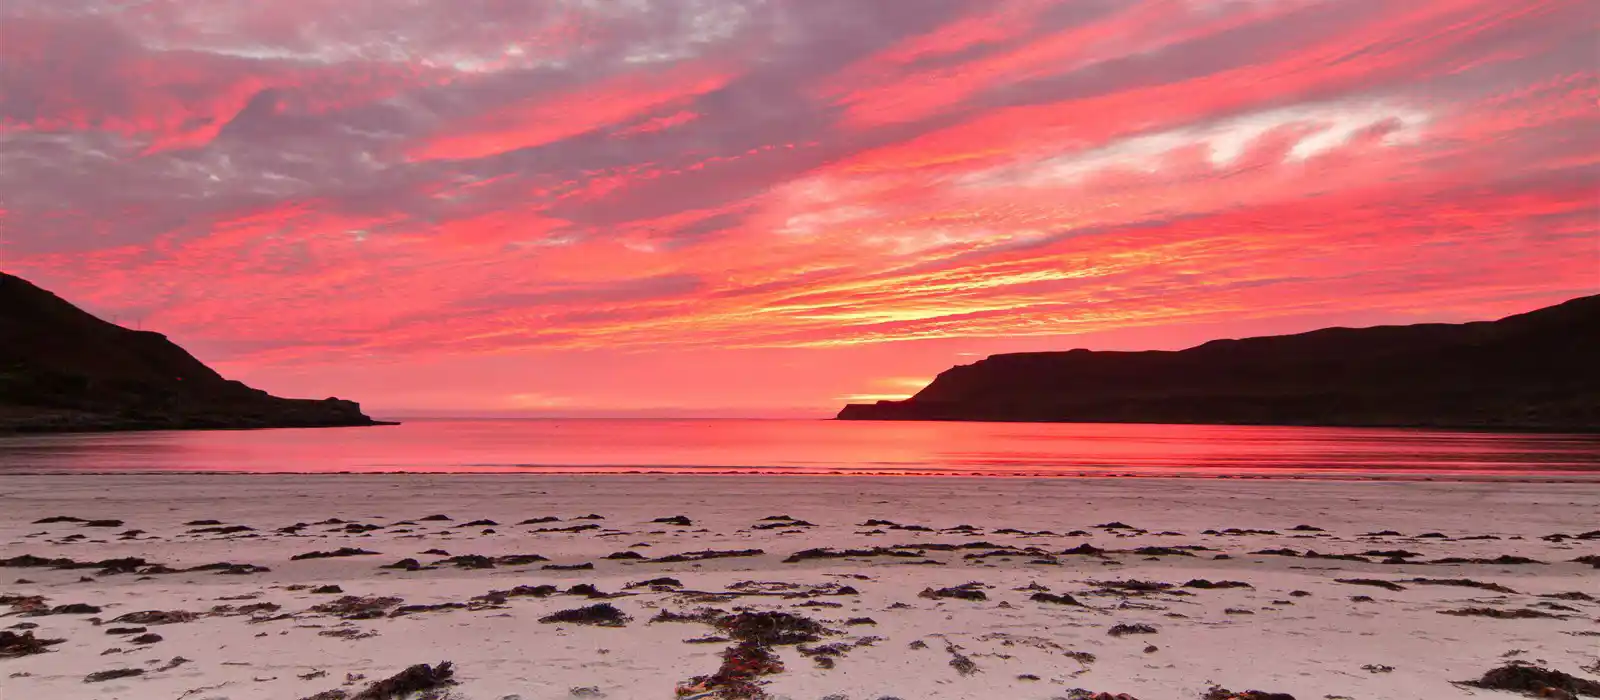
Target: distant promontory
{"type": "Point", "coordinates": [1533, 371]}
{"type": "Point", "coordinates": [64, 370]}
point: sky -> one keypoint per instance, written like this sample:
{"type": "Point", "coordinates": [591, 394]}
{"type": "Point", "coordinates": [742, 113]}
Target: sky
{"type": "Point", "coordinates": [771, 207]}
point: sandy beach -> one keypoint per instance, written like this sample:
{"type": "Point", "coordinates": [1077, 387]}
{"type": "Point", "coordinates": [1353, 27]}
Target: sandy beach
{"type": "Point", "coordinates": [898, 588]}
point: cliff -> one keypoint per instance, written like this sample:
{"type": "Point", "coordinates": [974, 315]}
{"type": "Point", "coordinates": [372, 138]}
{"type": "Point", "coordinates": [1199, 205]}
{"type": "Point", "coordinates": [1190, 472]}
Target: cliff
{"type": "Point", "coordinates": [1532, 371]}
{"type": "Point", "coordinates": [62, 369]}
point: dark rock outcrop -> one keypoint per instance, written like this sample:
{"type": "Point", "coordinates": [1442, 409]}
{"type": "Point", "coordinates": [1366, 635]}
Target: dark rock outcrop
{"type": "Point", "coordinates": [1532, 371]}
{"type": "Point", "coordinates": [62, 369]}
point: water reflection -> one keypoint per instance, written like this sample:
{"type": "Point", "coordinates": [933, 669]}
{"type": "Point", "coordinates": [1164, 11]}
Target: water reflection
{"type": "Point", "coordinates": [999, 449]}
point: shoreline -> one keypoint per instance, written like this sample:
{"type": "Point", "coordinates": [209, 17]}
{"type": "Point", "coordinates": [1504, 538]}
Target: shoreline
{"type": "Point", "coordinates": [1574, 477]}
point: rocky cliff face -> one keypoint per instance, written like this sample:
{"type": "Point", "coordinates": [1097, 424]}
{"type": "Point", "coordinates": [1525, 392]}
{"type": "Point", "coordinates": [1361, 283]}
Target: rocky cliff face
{"type": "Point", "coordinates": [1533, 371]}
{"type": "Point", "coordinates": [62, 369]}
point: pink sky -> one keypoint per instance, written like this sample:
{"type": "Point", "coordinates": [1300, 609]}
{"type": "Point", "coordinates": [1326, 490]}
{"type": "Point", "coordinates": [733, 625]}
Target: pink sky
{"type": "Point", "coordinates": [771, 207]}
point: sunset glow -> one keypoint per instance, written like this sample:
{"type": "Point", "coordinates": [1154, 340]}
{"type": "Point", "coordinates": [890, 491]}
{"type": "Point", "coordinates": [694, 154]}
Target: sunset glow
{"type": "Point", "coordinates": [771, 206]}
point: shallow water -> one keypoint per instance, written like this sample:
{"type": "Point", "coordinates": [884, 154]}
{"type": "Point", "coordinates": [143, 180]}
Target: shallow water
{"type": "Point", "coordinates": [817, 446]}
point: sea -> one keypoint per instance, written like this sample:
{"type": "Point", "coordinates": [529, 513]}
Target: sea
{"type": "Point", "coordinates": [813, 447]}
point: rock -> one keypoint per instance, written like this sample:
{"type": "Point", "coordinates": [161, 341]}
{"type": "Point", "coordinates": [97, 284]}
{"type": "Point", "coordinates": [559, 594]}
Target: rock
{"type": "Point", "coordinates": [1474, 375]}
{"type": "Point", "coordinates": [70, 371]}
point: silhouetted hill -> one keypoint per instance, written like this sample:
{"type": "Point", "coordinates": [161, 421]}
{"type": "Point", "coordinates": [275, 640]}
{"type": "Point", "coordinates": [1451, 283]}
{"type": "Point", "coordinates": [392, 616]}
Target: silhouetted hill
{"type": "Point", "coordinates": [1532, 371]}
{"type": "Point", "coordinates": [62, 369]}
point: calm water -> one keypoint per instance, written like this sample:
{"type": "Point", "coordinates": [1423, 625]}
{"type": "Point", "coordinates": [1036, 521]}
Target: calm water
{"type": "Point", "coordinates": [815, 446]}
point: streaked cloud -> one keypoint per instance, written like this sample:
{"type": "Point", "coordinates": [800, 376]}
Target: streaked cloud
{"type": "Point", "coordinates": [757, 204]}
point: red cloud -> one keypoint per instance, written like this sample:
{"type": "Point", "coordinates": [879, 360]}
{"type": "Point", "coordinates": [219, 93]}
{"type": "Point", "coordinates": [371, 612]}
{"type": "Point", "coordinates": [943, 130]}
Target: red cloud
{"type": "Point", "coordinates": [547, 118]}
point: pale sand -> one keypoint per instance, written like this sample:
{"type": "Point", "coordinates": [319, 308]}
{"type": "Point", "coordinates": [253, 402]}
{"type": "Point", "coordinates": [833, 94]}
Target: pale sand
{"type": "Point", "coordinates": [1312, 646]}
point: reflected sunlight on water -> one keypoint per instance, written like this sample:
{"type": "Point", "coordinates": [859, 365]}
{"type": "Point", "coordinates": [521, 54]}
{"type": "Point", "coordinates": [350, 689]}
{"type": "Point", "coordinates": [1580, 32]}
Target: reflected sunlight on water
{"type": "Point", "coordinates": [815, 446]}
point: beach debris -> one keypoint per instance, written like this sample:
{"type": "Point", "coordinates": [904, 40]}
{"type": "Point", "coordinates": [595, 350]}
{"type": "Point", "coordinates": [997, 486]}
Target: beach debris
{"type": "Point", "coordinates": [624, 555]}
{"type": "Point", "coordinates": [13, 645]}
{"type": "Point", "coordinates": [1081, 694]}
{"type": "Point", "coordinates": [340, 552]}
{"type": "Point", "coordinates": [657, 583]}
{"type": "Point", "coordinates": [354, 607]}
{"type": "Point", "coordinates": [434, 518]}
{"type": "Point", "coordinates": [742, 664]}
{"type": "Point", "coordinates": [407, 564]}
{"type": "Point", "coordinates": [1063, 599]}
{"type": "Point", "coordinates": [962, 663]}
{"type": "Point", "coordinates": [599, 614]}
{"type": "Point", "coordinates": [1219, 693]}
{"type": "Point", "coordinates": [126, 630]}
{"type": "Point", "coordinates": [1131, 586]}
{"type": "Point", "coordinates": [221, 568]}
{"type": "Point", "coordinates": [751, 657]}
{"type": "Point", "coordinates": [500, 597]}
{"type": "Point", "coordinates": [967, 591]}
{"type": "Point", "coordinates": [781, 524]}
{"type": "Point", "coordinates": [409, 609]}
{"type": "Point", "coordinates": [68, 609]}
{"type": "Point", "coordinates": [58, 519]}
{"type": "Point", "coordinates": [103, 523]}
{"type": "Point", "coordinates": [680, 520]}
{"type": "Point", "coordinates": [1377, 668]}
{"type": "Point", "coordinates": [1122, 629]}
{"type": "Point", "coordinates": [572, 528]}
{"type": "Point", "coordinates": [1512, 614]}
{"type": "Point", "coordinates": [328, 589]}
{"type": "Point", "coordinates": [251, 609]}
{"type": "Point", "coordinates": [704, 555]}
{"type": "Point", "coordinates": [146, 638]}
{"type": "Point", "coordinates": [122, 565]}
{"type": "Point", "coordinates": [414, 679]}
{"type": "Point", "coordinates": [112, 674]}
{"type": "Point", "coordinates": [222, 530]}
{"type": "Point", "coordinates": [1379, 583]}
{"type": "Point", "coordinates": [586, 566]}
{"type": "Point", "coordinates": [1205, 584]}
{"type": "Point", "coordinates": [1502, 560]}
{"type": "Point", "coordinates": [830, 553]}
{"type": "Point", "coordinates": [1164, 551]}
{"type": "Point", "coordinates": [155, 617]}
{"type": "Point", "coordinates": [470, 561]}
{"type": "Point", "coordinates": [1535, 681]}
{"type": "Point", "coordinates": [771, 628]}
{"type": "Point", "coordinates": [1461, 582]}
{"type": "Point", "coordinates": [707, 616]}
{"type": "Point", "coordinates": [350, 633]}
{"type": "Point", "coordinates": [485, 522]}
{"type": "Point", "coordinates": [589, 590]}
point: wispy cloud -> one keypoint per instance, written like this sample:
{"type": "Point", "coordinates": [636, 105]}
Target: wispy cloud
{"type": "Point", "coordinates": [754, 203]}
